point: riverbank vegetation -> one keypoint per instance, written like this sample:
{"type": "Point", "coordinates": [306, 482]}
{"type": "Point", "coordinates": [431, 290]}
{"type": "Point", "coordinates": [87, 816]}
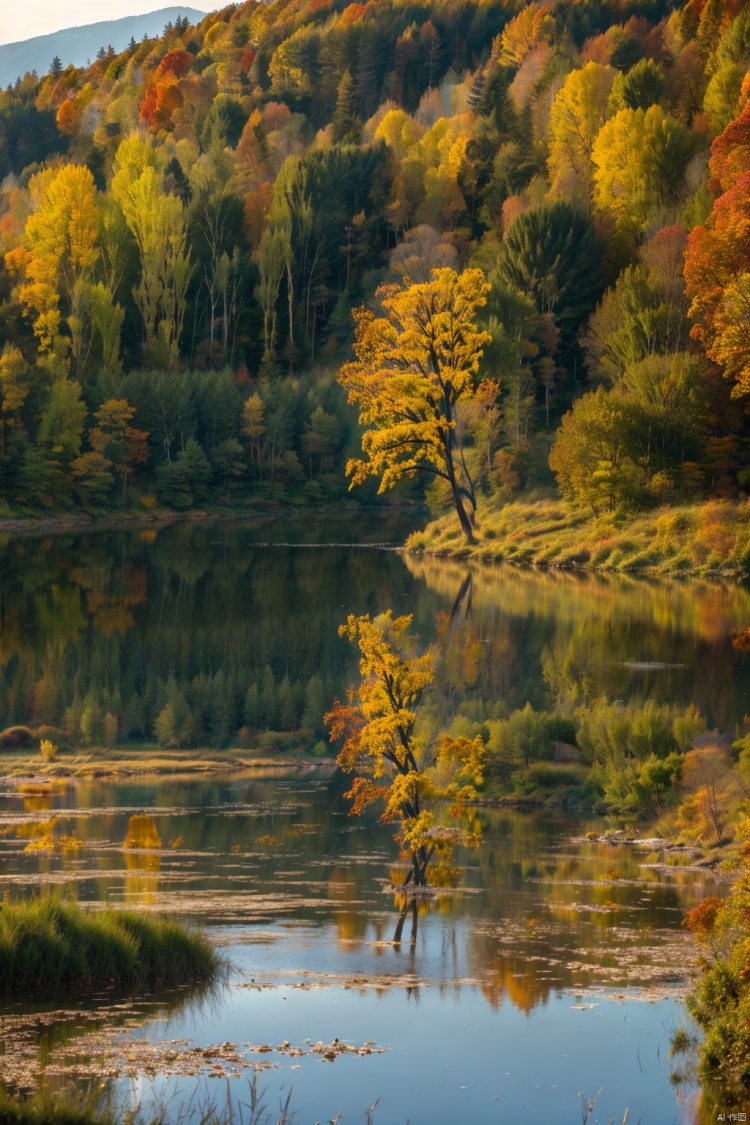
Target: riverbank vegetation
{"type": "Point", "coordinates": [50, 946]}
{"type": "Point", "coordinates": [713, 537]}
{"type": "Point", "coordinates": [720, 999]}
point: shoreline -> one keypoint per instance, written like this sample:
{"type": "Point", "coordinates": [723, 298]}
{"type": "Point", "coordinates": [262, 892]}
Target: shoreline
{"type": "Point", "coordinates": [87, 521]}
{"type": "Point", "coordinates": [21, 769]}
{"type": "Point", "coordinates": [711, 538]}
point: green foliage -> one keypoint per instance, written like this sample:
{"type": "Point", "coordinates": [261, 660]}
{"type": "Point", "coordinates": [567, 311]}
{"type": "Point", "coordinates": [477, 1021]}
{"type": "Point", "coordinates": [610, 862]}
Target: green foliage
{"type": "Point", "coordinates": [552, 255]}
{"type": "Point", "coordinates": [639, 88]}
{"type": "Point", "coordinates": [524, 737]}
{"type": "Point", "coordinates": [185, 481]}
{"type": "Point", "coordinates": [720, 1001]}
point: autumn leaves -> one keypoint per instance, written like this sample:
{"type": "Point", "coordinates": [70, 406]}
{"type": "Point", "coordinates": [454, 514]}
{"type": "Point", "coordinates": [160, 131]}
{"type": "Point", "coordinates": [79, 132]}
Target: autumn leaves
{"type": "Point", "coordinates": [412, 366]}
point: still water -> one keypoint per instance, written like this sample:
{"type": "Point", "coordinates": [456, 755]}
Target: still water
{"type": "Point", "coordinates": [557, 967]}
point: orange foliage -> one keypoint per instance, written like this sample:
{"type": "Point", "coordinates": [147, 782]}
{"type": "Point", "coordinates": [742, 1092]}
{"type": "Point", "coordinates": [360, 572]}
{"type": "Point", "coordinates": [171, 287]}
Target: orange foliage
{"type": "Point", "coordinates": [177, 62]}
{"type": "Point", "coordinates": [352, 14]}
{"type": "Point", "coordinates": [730, 153]}
{"type": "Point", "coordinates": [159, 105]}
{"type": "Point", "coordinates": [741, 639]}
{"type": "Point", "coordinates": [67, 116]}
{"type": "Point", "coordinates": [717, 271]}
{"type": "Point", "coordinates": [702, 918]}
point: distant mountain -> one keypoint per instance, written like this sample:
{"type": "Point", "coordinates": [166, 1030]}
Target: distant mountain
{"type": "Point", "coordinates": [78, 45]}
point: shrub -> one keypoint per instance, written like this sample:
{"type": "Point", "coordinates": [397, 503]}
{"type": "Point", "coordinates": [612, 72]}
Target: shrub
{"type": "Point", "coordinates": [720, 1001]}
{"type": "Point", "coordinates": [48, 750]}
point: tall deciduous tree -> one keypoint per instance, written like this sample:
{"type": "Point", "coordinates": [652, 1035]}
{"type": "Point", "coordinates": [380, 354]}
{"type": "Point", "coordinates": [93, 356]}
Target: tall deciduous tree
{"type": "Point", "coordinates": [578, 113]}
{"type": "Point", "coordinates": [57, 260]}
{"type": "Point", "coordinates": [14, 388]}
{"type": "Point", "coordinates": [158, 224]}
{"type": "Point", "coordinates": [394, 763]}
{"type": "Point", "coordinates": [640, 157]}
{"type": "Point", "coordinates": [717, 270]}
{"type": "Point", "coordinates": [412, 366]}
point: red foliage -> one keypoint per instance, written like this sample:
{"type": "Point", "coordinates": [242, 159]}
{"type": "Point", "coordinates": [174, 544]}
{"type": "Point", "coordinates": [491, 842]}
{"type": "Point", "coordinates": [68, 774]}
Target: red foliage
{"type": "Point", "coordinates": [159, 105]}
{"type": "Point", "coordinates": [718, 253]}
{"type": "Point", "coordinates": [248, 57]}
{"type": "Point", "coordinates": [730, 153]}
{"type": "Point", "coordinates": [702, 918]}
{"type": "Point", "coordinates": [177, 62]}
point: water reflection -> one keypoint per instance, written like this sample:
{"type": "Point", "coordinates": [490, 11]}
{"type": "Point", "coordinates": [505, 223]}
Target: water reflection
{"type": "Point", "coordinates": [298, 894]}
{"type": "Point", "coordinates": [242, 637]}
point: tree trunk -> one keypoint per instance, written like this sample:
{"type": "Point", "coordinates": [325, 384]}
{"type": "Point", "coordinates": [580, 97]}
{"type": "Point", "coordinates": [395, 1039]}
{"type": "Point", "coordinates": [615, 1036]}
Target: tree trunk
{"type": "Point", "coordinates": [458, 502]}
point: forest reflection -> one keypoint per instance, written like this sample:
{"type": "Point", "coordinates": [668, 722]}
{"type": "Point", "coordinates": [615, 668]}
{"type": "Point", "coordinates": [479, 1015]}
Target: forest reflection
{"type": "Point", "coordinates": [100, 631]}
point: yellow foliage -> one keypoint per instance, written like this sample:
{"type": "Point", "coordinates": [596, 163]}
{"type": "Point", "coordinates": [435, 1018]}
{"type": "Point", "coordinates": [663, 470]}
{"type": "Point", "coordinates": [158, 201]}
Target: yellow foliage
{"type": "Point", "coordinates": [394, 766]}
{"type": "Point", "coordinates": [412, 366]}
{"type": "Point", "coordinates": [47, 749]}
{"type": "Point", "coordinates": [142, 833]}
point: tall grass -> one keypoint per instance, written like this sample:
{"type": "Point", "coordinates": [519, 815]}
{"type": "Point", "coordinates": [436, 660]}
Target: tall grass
{"type": "Point", "coordinates": [712, 537]}
{"type": "Point", "coordinates": [48, 946]}
{"type": "Point", "coordinates": [46, 1110]}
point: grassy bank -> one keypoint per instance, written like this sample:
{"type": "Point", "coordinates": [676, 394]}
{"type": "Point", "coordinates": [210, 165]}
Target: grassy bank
{"type": "Point", "coordinates": [48, 946]}
{"type": "Point", "coordinates": [139, 761]}
{"type": "Point", "coordinates": [713, 537]}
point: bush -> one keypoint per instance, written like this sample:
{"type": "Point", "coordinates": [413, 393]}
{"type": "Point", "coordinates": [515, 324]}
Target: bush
{"type": "Point", "coordinates": [547, 775]}
{"type": "Point", "coordinates": [48, 750]}
{"type": "Point", "coordinates": [720, 1001]}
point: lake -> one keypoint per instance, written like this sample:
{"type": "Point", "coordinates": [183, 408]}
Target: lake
{"type": "Point", "coordinates": [556, 967]}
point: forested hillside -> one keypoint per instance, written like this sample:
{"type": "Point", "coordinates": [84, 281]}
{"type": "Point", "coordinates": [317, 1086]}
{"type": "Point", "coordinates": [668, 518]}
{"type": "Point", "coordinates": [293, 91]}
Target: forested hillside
{"type": "Point", "coordinates": [79, 45]}
{"type": "Point", "coordinates": [186, 227]}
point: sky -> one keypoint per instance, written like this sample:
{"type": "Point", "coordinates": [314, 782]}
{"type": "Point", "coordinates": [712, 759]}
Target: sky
{"type": "Point", "coordinates": [24, 19]}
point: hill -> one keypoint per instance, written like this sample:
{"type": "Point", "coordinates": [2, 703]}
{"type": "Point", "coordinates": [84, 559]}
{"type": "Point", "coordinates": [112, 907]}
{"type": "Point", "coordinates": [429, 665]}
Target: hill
{"type": "Point", "coordinates": [186, 227]}
{"type": "Point", "coordinates": [78, 45]}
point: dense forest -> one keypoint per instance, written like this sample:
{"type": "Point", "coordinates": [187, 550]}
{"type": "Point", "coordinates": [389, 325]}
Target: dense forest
{"type": "Point", "coordinates": [186, 227]}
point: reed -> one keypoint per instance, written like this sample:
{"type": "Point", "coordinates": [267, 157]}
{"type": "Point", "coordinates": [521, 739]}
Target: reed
{"type": "Point", "coordinates": [48, 946]}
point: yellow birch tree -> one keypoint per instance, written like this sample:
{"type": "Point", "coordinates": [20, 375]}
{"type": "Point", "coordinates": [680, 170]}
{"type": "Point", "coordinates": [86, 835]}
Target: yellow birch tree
{"type": "Point", "coordinates": [412, 366]}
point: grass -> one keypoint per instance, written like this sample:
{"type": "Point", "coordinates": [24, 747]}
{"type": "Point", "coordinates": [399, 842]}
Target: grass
{"type": "Point", "coordinates": [136, 759]}
{"type": "Point", "coordinates": [45, 1110]}
{"type": "Point", "coordinates": [48, 946]}
{"type": "Point", "coordinates": [713, 537]}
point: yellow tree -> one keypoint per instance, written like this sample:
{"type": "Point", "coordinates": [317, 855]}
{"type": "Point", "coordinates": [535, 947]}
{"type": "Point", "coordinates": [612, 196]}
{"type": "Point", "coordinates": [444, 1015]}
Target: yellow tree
{"type": "Point", "coordinates": [57, 260]}
{"type": "Point", "coordinates": [412, 366]}
{"type": "Point", "coordinates": [640, 158]}
{"type": "Point", "coordinates": [14, 388]}
{"type": "Point", "coordinates": [578, 113]}
{"type": "Point", "coordinates": [122, 445]}
{"type": "Point", "coordinates": [394, 762]}
{"type": "Point", "coordinates": [254, 426]}
{"type": "Point", "coordinates": [159, 226]}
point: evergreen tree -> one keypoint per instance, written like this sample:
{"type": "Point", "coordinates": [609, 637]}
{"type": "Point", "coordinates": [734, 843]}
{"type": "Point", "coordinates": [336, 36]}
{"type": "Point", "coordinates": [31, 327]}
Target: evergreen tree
{"type": "Point", "coordinates": [346, 125]}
